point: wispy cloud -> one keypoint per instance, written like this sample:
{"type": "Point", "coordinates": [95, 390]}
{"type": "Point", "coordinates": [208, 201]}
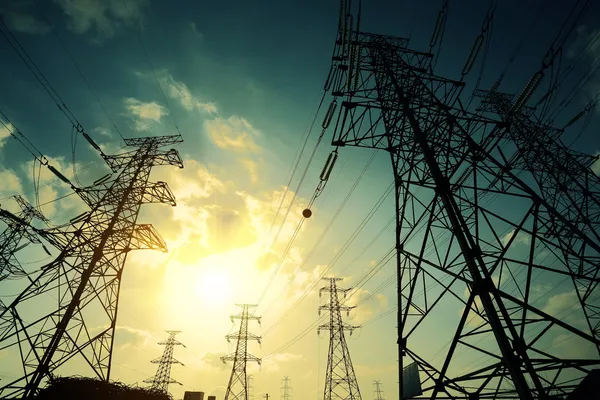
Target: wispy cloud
{"type": "Point", "coordinates": [233, 133]}
{"type": "Point", "coordinates": [20, 20]}
{"type": "Point", "coordinates": [103, 17]}
{"type": "Point", "coordinates": [179, 91]}
{"type": "Point", "coordinates": [144, 113]}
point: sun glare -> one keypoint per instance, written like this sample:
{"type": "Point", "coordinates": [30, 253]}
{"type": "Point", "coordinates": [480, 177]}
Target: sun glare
{"type": "Point", "coordinates": [215, 288]}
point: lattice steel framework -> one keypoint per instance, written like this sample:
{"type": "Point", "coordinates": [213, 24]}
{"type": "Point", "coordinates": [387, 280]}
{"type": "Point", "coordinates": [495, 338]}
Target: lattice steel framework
{"type": "Point", "coordinates": [162, 378]}
{"type": "Point", "coordinates": [378, 390]}
{"type": "Point", "coordinates": [11, 238]}
{"type": "Point", "coordinates": [68, 312]}
{"type": "Point", "coordinates": [287, 389]}
{"type": "Point", "coordinates": [340, 379]}
{"type": "Point", "coordinates": [493, 214]}
{"type": "Point", "coordinates": [237, 389]}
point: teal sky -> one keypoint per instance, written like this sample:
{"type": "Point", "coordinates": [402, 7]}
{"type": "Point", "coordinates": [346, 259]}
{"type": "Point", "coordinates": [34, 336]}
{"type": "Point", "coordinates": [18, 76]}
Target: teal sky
{"type": "Point", "coordinates": [241, 81]}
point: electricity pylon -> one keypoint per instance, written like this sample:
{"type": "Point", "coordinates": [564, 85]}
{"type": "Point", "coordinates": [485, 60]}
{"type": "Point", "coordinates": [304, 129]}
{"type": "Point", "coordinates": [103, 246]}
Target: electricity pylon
{"type": "Point", "coordinates": [378, 391]}
{"type": "Point", "coordinates": [10, 239]}
{"type": "Point", "coordinates": [162, 378]}
{"type": "Point", "coordinates": [237, 389]}
{"type": "Point", "coordinates": [494, 215]}
{"type": "Point", "coordinates": [68, 312]}
{"type": "Point", "coordinates": [340, 380]}
{"type": "Point", "coordinates": [287, 389]}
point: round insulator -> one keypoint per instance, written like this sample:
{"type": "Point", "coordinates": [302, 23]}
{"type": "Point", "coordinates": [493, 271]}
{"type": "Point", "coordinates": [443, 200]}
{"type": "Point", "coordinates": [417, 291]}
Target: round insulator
{"type": "Point", "coordinates": [306, 213]}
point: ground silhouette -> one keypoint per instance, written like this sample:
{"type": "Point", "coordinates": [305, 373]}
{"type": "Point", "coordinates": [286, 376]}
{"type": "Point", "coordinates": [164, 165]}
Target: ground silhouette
{"type": "Point", "coordinates": [74, 387]}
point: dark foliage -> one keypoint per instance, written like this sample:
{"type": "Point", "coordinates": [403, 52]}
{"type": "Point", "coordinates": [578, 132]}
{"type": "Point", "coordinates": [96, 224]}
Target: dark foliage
{"type": "Point", "coordinates": [94, 389]}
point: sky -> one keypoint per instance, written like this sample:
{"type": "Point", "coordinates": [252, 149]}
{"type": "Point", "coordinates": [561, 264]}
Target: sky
{"type": "Point", "coordinates": [241, 81]}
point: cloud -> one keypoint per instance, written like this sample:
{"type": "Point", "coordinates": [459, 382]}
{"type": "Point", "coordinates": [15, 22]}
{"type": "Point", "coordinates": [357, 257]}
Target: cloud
{"type": "Point", "coordinates": [596, 165]}
{"type": "Point", "coordinates": [21, 21]}
{"type": "Point", "coordinates": [127, 336]}
{"type": "Point", "coordinates": [522, 238]}
{"type": "Point", "coordinates": [234, 133]}
{"type": "Point", "coordinates": [558, 304]}
{"type": "Point", "coordinates": [5, 129]}
{"type": "Point", "coordinates": [213, 360]}
{"type": "Point", "coordinates": [272, 364]}
{"type": "Point", "coordinates": [144, 113]}
{"type": "Point", "coordinates": [11, 184]}
{"type": "Point", "coordinates": [104, 17]}
{"type": "Point", "coordinates": [252, 167]}
{"type": "Point", "coordinates": [194, 28]}
{"type": "Point", "coordinates": [179, 91]}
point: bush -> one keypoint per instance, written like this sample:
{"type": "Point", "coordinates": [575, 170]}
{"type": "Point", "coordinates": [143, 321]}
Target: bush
{"type": "Point", "coordinates": [75, 387]}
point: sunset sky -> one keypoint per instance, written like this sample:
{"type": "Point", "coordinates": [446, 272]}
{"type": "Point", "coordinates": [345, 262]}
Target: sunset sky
{"type": "Point", "coordinates": [241, 80]}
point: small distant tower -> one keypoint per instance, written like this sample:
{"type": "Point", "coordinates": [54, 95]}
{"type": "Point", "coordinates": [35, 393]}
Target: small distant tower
{"type": "Point", "coordinates": [250, 387]}
{"type": "Point", "coordinates": [378, 391]}
{"type": "Point", "coordinates": [287, 389]}
{"type": "Point", "coordinates": [340, 382]}
{"type": "Point", "coordinates": [238, 382]}
{"type": "Point", "coordinates": [162, 378]}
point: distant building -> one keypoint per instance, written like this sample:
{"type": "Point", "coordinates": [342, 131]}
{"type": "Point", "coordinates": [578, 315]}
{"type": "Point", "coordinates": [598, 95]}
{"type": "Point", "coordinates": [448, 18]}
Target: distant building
{"type": "Point", "coordinates": [195, 396]}
{"type": "Point", "coordinates": [212, 398]}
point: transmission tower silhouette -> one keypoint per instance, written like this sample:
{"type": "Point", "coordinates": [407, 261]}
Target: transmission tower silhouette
{"type": "Point", "coordinates": [237, 389]}
{"type": "Point", "coordinates": [162, 378]}
{"type": "Point", "coordinates": [378, 391]}
{"type": "Point", "coordinates": [340, 380]}
{"type": "Point", "coordinates": [287, 389]}
{"type": "Point", "coordinates": [11, 238]}
{"type": "Point", "coordinates": [84, 281]}
{"type": "Point", "coordinates": [487, 203]}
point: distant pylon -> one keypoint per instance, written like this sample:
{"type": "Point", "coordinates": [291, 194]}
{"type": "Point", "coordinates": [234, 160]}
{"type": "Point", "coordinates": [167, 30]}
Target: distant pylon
{"type": "Point", "coordinates": [162, 378]}
{"type": "Point", "coordinates": [340, 382]}
{"type": "Point", "coordinates": [238, 382]}
{"type": "Point", "coordinates": [250, 387]}
{"type": "Point", "coordinates": [378, 391]}
{"type": "Point", "coordinates": [287, 389]}
{"type": "Point", "coordinates": [16, 230]}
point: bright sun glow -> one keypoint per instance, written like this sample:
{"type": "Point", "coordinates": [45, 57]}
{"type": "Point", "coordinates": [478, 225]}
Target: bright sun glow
{"type": "Point", "coordinates": [215, 288]}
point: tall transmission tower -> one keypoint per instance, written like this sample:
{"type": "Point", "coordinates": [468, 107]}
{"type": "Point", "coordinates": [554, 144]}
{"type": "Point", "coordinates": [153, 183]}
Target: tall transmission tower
{"type": "Point", "coordinates": [340, 380]}
{"type": "Point", "coordinates": [162, 378]}
{"type": "Point", "coordinates": [67, 314]}
{"type": "Point", "coordinates": [490, 206]}
{"type": "Point", "coordinates": [11, 238]}
{"type": "Point", "coordinates": [287, 389]}
{"type": "Point", "coordinates": [237, 389]}
{"type": "Point", "coordinates": [378, 390]}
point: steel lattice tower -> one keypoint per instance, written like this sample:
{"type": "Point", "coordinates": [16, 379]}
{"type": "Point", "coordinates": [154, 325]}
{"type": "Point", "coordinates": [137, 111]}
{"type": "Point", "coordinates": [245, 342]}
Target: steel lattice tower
{"type": "Point", "coordinates": [287, 389]}
{"type": "Point", "coordinates": [488, 210]}
{"type": "Point", "coordinates": [378, 391]}
{"type": "Point", "coordinates": [11, 237]}
{"type": "Point", "coordinates": [162, 378]}
{"type": "Point", "coordinates": [69, 310]}
{"type": "Point", "coordinates": [340, 380]}
{"type": "Point", "coordinates": [237, 389]}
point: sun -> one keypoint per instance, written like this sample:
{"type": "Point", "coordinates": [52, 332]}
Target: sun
{"type": "Point", "coordinates": [215, 288]}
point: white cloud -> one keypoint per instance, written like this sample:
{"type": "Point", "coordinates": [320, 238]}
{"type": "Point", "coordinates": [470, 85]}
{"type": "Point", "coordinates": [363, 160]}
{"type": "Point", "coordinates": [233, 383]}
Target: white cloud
{"type": "Point", "coordinates": [179, 91]}
{"type": "Point", "coordinates": [5, 129]}
{"type": "Point", "coordinates": [144, 113]}
{"type": "Point", "coordinates": [522, 238]}
{"type": "Point", "coordinates": [11, 183]}
{"type": "Point", "coordinates": [234, 133]}
{"type": "Point", "coordinates": [104, 17]}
